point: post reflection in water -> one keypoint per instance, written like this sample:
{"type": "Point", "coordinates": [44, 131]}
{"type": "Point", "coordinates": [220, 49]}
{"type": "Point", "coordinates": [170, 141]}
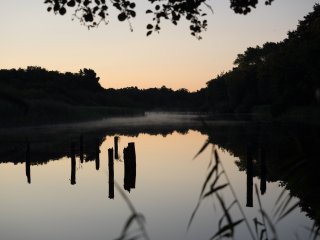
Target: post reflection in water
{"type": "Point", "coordinates": [249, 177]}
{"type": "Point", "coordinates": [73, 165]}
{"type": "Point", "coordinates": [111, 173]}
{"type": "Point", "coordinates": [97, 155]}
{"type": "Point", "coordinates": [116, 152]}
{"type": "Point", "coordinates": [129, 155]}
{"type": "Point", "coordinates": [81, 149]}
{"type": "Point", "coordinates": [28, 171]}
{"type": "Point", "coordinates": [263, 172]}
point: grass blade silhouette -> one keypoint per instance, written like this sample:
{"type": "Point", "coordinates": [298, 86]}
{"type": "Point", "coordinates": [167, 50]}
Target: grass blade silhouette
{"type": "Point", "coordinates": [262, 233]}
{"type": "Point", "coordinates": [257, 223]}
{"type": "Point", "coordinates": [222, 218]}
{"type": "Point", "coordinates": [270, 224]}
{"type": "Point", "coordinates": [261, 210]}
{"type": "Point", "coordinates": [140, 220]}
{"type": "Point", "coordinates": [205, 145]}
{"type": "Point", "coordinates": [213, 190]}
{"type": "Point", "coordinates": [227, 228]}
{"type": "Point", "coordinates": [276, 205]}
{"type": "Point", "coordinates": [201, 194]}
{"type": "Point", "coordinates": [128, 224]}
{"type": "Point", "coordinates": [216, 180]}
{"type": "Point", "coordinates": [226, 213]}
{"type": "Point", "coordinates": [288, 211]}
{"type": "Point", "coordinates": [285, 204]}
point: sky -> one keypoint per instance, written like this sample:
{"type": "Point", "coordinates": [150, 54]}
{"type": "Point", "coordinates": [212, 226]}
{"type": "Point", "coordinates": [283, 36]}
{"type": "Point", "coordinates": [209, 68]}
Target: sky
{"type": "Point", "coordinates": [30, 36]}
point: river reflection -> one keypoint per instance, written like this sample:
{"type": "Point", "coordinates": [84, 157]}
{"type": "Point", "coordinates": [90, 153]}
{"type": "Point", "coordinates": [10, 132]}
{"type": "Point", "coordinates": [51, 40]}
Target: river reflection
{"type": "Point", "coordinates": [155, 168]}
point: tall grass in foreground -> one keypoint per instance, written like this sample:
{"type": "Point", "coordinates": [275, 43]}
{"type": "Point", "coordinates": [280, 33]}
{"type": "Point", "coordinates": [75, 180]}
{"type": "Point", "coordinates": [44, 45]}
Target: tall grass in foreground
{"type": "Point", "coordinates": [135, 217]}
{"type": "Point", "coordinates": [262, 227]}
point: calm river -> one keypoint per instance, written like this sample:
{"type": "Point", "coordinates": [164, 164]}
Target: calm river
{"type": "Point", "coordinates": [57, 182]}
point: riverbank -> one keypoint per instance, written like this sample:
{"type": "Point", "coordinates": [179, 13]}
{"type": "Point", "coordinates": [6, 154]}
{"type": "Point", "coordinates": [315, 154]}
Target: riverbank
{"type": "Point", "coordinates": [264, 114]}
{"type": "Point", "coordinates": [62, 114]}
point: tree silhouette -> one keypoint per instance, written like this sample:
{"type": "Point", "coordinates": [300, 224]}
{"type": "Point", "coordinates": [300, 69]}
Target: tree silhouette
{"type": "Point", "coordinates": [89, 74]}
{"type": "Point", "coordinates": [275, 77]}
{"type": "Point", "coordinates": [92, 12]}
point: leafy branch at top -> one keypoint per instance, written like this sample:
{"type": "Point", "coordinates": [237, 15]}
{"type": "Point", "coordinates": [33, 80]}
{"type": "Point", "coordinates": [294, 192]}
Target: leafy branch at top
{"type": "Point", "coordinates": [92, 12]}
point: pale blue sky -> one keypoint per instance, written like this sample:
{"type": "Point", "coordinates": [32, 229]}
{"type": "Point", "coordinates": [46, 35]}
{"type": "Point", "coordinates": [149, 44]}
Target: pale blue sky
{"type": "Point", "coordinates": [32, 36]}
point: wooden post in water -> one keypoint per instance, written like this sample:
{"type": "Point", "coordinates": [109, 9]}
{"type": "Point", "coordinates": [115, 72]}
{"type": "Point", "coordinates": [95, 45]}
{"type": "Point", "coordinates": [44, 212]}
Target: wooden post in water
{"type": "Point", "coordinates": [116, 153]}
{"type": "Point", "coordinates": [126, 169]}
{"type": "Point", "coordinates": [81, 149]}
{"type": "Point", "coordinates": [28, 163]}
{"type": "Point", "coordinates": [249, 177]}
{"type": "Point", "coordinates": [132, 152]}
{"type": "Point", "coordinates": [129, 156]}
{"type": "Point", "coordinates": [73, 165]}
{"type": "Point", "coordinates": [111, 173]}
{"type": "Point", "coordinates": [97, 155]}
{"type": "Point", "coordinates": [263, 171]}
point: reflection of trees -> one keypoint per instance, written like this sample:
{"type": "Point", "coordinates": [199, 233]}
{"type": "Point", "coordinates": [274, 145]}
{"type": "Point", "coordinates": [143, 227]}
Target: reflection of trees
{"type": "Point", "coordinates": [50, 147]}
{"type": "Point", "coordinates": [287, 154]}
{"type": "Point", "coordinates": [84, 145]}
{"type": "Point", "coordinates": [54, 145]}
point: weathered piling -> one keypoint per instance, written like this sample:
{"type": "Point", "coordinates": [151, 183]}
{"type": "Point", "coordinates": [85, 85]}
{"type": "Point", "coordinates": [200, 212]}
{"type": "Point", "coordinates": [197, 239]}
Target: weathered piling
{"type": "Point", "coordinates": [28, 163]}
{"type": "Point", "coordinates": [116, 153]}
{"type": "Point", "coordinates": [249, 177]}
{"type": "Point", "coordinates": [129, 156]}
{"type": "Point", "coordinates": [132, 152]}
{"type": "Point", "coordinates": [111, 173]}
{"type": "Point", "coordinates": [73, 165]}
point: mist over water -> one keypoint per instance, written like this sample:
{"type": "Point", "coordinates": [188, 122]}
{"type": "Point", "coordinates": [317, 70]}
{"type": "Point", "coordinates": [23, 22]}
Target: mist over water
{"type": "Point", "coordinates": [154, 118]}
{"type": "Point", "coordinates": [150, 119]}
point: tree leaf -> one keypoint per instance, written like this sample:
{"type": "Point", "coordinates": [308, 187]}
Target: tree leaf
{"type": "Point", "coordinates": [122, 16]}
{"type": "Point", "coordinates": [62, 11]}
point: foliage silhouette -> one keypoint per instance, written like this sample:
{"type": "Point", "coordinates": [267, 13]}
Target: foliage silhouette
{"type": "Point", "coordinates": [92, 13]}
{"type": "Point", "coordinates": [274, 79]}
{"type": "Point", "coordinates": [36, 95]}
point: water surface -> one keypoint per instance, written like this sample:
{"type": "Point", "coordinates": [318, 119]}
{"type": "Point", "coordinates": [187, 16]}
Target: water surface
{"type": "Point", "coordinates": [53, 196]}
